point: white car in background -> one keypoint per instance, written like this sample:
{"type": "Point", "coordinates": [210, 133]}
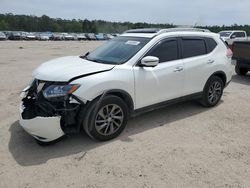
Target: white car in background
{"type": "Point", "coordinates": [138, 71]}
{"type": "Point", "coordinates": [81, 36]}
{"type": "Point", "coordinates": [230, 36]}
{"type": "Point", "coordinates": [43, 37]}
{"type": "Point", "coordinates": [31, 36]}
{"type": "Point", "coordinates": [67, 36]}
{"type": "Point", "coordinates": [2, 36]}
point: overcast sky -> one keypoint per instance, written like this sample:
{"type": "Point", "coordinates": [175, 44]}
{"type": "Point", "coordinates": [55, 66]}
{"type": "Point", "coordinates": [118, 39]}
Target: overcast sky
{"type": "Point", "coordinates": [179, 12]}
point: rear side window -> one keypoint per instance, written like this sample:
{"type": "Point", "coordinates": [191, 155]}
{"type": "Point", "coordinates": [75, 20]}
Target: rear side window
{"type": "Point", "coordinates": [193, 47]}
{"type": "Point", "coordinates": [211, 44]}
{"type": "Point", "coordinates": [165, 51]}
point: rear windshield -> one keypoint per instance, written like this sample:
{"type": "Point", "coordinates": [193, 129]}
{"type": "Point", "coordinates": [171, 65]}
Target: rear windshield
{"type": "Point", "coordinates": [118, 50]}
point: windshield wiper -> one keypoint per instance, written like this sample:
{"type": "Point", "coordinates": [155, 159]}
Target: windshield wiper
{"type": "Point", "coordinates": [84, 56]}
{"type": "Point", "coordinates": [96, 60]}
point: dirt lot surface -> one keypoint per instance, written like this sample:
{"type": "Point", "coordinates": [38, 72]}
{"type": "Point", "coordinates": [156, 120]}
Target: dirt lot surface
{"type": "Point", "coordinates": [184, 145]}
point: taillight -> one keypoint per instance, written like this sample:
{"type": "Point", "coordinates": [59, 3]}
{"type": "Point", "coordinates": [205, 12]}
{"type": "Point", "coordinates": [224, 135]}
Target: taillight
{"type": "Point", "coordinates": [229, 53]}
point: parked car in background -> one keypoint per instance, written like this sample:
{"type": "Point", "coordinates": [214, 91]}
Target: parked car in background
{"type": "Point", "coordinates": [100, 36]}
{"type": "Point", "coordinates": [43, 36]}
{"type": "Point", "coordinates": [2, 36]}
{"type": "Point", "coordinates": [57, 36]}
{"type": "Point", "coordinates": [241, 53]}
{"type": "Point", "coordinates": [91, 36]}
{"type": "Point", "coordinates": [15, 35]}
{"type": "Point", "coordinates": [31, 36]}
{"type": "Point", "coordinates": [81, 36]}
{"type": "Point", "coordinates": [115, 34]}
{"type": "Point", "coordinates": [139, 71]}
{"type": "Point", "coordinates": [23, 35]}
{"type": "Point", "coordinates": [67, 36]}
{"type": "Point", "coordinates": [230, 36]}
{"type": "Point", "coordinates": [109, 36]}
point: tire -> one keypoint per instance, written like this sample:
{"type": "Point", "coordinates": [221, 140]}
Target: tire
{"type": "Point", "coordinates": [212, 92]}
{"type": "Point", "coordinates": [106, 119]}
{"type": "Point", "coordinates": [240, 71]}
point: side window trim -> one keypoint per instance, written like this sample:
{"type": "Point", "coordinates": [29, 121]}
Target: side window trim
{"type": "Point", "coordinates": [194, 38]}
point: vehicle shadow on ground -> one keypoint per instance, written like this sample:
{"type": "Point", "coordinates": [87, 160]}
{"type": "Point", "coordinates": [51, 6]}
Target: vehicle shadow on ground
{"type": "Point", "coordinates": [27, 152]}
{"type": "Point", "coordinates": [245, 80]}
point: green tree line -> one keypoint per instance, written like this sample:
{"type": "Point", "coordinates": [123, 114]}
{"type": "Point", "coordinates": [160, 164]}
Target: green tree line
{"type": "Point", "coordinates": [30, 23]}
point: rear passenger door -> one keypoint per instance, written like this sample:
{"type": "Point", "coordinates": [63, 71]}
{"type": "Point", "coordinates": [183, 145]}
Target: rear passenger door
{"type": "Point", "coordinates": [198, 63]}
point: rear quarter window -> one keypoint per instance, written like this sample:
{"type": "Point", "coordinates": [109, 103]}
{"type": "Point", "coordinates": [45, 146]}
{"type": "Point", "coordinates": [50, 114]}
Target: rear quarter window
{"type": "Point", "coordinates": [211, 44]}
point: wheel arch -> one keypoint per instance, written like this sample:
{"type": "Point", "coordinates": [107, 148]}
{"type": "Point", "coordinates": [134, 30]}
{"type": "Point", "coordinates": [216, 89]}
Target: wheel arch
{"type": "Point", "coordinates": [125, 96]}
{"type": "Point", "coordinates": [221, 75]}
{"type": "Point", "coordinates": [84, 112]}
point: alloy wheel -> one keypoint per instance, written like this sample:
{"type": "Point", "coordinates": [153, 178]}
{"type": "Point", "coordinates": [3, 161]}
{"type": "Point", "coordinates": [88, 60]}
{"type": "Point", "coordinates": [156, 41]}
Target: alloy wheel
{"type": "Point", "coordinates": [214, 92]}
{"type": "Point", "coordinates": [109, 119]}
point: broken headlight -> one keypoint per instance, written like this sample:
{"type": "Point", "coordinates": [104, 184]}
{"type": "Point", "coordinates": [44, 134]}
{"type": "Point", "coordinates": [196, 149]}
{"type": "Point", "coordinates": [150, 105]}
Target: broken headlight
{"type": "Point", "coordinates": [59, 90]}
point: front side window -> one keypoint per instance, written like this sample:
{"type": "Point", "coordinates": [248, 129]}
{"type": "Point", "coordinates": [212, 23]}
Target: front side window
{"type": "Point", "coordinates": [118, 50]}
{"type": "Point", "coordinates": [165, 51]}
{"type": "Point", "coordinates": [193, 47]}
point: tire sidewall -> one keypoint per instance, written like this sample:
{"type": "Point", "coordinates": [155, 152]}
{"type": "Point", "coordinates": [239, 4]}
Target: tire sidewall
{"type": "Point", "coordinates": [205, 100]}
{"type": "Point", "coordinates": [94, 109]}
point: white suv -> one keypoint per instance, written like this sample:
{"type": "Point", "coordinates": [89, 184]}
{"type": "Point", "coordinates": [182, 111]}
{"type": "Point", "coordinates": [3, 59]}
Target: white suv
{"type": "Point", "coordinates": [136, 72]}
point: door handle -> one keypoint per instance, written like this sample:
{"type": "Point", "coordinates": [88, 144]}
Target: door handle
{"type": "Point", "coordinates": [178, 69]}
{"type": "Point", "coordinates": [210, 61]}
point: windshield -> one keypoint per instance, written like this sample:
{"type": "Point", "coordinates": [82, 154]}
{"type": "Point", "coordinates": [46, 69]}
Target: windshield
{"type": "Point", "coordinates": [225, 34]}
{"type": "Point", "coordinates": [118, 50]}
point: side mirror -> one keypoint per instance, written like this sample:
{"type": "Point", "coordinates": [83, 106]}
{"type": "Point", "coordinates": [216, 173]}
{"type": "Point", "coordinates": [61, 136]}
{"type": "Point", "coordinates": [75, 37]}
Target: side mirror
{"type": "Point", "coordinates": [149, 61]}
{"type": "Point", "coordinates": [233, 37]}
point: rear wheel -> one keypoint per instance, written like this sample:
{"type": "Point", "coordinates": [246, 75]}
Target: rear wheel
{"type": "Point", "coordinates": [241, 71]}
{"type": "Point", "coordinates": [212, 92]}
{"type": "Point", "coordinates": [106, 119]}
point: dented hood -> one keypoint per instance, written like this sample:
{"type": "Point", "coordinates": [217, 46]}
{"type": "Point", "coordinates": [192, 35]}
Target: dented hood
{"type": "Point", "coordinates": [65, 68]}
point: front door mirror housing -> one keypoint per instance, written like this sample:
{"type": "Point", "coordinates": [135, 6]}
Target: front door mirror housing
{"type": "Point", "coordinates": [149, 61]}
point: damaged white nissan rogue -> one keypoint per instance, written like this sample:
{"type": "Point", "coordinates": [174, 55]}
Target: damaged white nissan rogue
{"type": "Point", "coordinates": [138, 71]}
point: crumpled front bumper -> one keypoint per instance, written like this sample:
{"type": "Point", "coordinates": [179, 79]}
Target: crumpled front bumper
{"type": "Point", "coordinates": [45, 129]}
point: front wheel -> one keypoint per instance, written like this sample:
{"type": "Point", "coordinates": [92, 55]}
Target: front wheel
{"type": "Point", "coordinates": [106, 119]}
{"type": "Point", "coordinates": [212, 92]}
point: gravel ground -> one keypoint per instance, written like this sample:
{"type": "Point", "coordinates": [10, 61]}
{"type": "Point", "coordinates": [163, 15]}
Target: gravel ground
{"type": "Point", "coordinates": [184, 145]}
